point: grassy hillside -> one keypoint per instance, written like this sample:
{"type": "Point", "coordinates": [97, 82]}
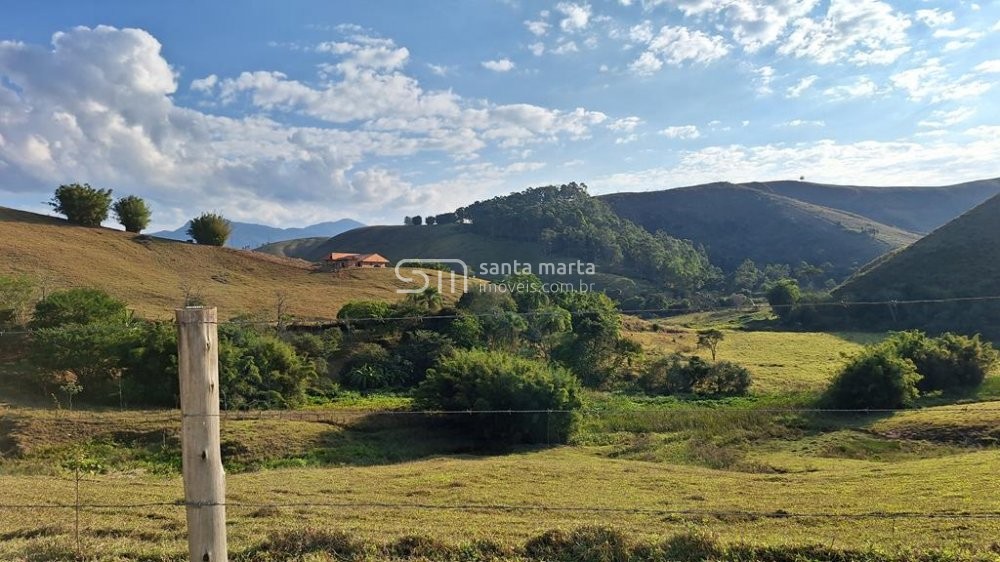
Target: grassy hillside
{"type": "Point", "coordinates": [735, 222]}
{"type": "Point", "coordinates": [300, 248]}
{"type": "Point", "coordinates": [151, 274]}
{"type": "Point", "coordinates": [915, 209]}
{"type": "Point", "coordinates": [960, 259]}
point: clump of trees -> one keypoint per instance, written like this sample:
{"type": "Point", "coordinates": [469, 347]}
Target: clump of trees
{"type": "Point", "coordinates": [677, 375]}
{"type": "Point", "coordinates": [82, 204]}
{"type": "Point", "coordinates": [495, 380]}
{"type": "Point", "coordinates": [210, 229]}
{"type": "Point", "coordinates": [88, 206]}
{"type": "Point", "coordinates": [895, 372]}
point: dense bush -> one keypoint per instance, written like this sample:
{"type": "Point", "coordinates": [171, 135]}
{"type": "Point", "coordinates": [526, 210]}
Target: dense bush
{"type": "Point", "coordinates": [258, 370]}
{"type": "Point", "coordinates": [82, 204]}
{"type": "Point", "coordinates": [210, 229]}
{"type": "Point", "coordinates": [947, 362]}
{"type": "Point", "coordinates": [78, 306]}
{"type": "Point", "coordinates": [364, 314]}
{"type": "Point", "coordinates": [677, 375]}
{"type": "Point", "coordinates": [485, 380]}
{"type": "Point", "coordinates": [783, 295]}
{"type": "Point", "coordinates": [876, 378]}
{"type": "Point", "coordinates": [369, 366]}
{"type": "Point", "coordinates": [132, 213]}
{"type": "Point", "coordinates": [420, 350]}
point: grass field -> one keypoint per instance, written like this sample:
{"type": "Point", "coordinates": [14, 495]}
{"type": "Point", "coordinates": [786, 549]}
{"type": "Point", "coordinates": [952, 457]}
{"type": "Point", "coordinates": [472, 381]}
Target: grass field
{"type": "Point", "coordinates": [379, 478]}
{"type": "Point", "coordinates": [152, 275]}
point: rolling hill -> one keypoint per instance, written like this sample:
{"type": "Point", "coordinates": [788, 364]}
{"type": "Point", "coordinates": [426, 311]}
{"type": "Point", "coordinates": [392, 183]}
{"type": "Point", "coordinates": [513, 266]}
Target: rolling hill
{"type": "Point", "coordinates": [249, 235]}
{"type": "Point", "coordinates": [960, 259]}
{"type": "Point", "coordinates": [735, 222]}
{"type": "Point", "coordinates": [915, 209]}
{"type": "Point", "coordinates": [152, 274]}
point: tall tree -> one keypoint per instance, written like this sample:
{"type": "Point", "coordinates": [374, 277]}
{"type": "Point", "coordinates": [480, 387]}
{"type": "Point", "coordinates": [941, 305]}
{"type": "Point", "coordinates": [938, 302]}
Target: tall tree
{"type": "Point", "coordinates": [210, 229]}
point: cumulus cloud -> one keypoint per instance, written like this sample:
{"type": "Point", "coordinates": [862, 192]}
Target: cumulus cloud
{"type": "Point", "coordinates": [864, 33]}
{"type": "Point", "coordinates": [499, 65]}
{"type": "Point", "coordinates": [932, 81]}
{"type": "Point", "coordinates": [861, 87]}
{"type": "Point", "coordinates": [946, 118]}
{"type": "Point", "coordinates": [675, 46]}
{"type": "Point", "coordinates": [763, 77]}
{"type": "Point", "coordinates": [537, 27]}
{"type": "Point", "coordinates": [576, 16]}
{"type": "Point", "coordinates": [681, 132]}
{"type": "Point", "coordinates": [988, 67]}
{"type": "Point", "coordinates": [97, 106]}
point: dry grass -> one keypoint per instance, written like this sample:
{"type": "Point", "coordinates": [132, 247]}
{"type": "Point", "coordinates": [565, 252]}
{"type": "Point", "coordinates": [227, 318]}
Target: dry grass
{"type": "Point", "coordinates": [152, 274]}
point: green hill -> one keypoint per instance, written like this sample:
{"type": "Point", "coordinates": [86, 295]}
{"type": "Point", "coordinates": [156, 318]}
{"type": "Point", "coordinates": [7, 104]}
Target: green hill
{"type": "Point", "coordinates": [153, 274]}
{"type": "Point", "coordinates": [915, 209]}
{"type": "Point", "coordinates": [735, 222]}
{"type": "Point", "coordinates": [960, 259]}
{"type": "Point", "coordinates": [299, 248]}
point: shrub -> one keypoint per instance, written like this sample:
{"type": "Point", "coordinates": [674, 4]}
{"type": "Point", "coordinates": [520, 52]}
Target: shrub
{"type": "Point", "coordinates": [466, 331]}
{"type": "Point", "coordinates": [258, 370]}
{"type": "Point", "coordinates": [78, 306]}
{"type": "Point", "coordinates": [420, 350]}
{"type": "Point", "coordinates": [586, 544]}
{"type": "Point", "coordinates": [16, 296]}
{"type": "Point", "coordinates": [875, 378]}
{"type": "Point", "coordinates": [484, 380]}
{"type": "Point", "coordinates": [82, 204]}
{"type": "Point", "coordinates": [89, 354]}
{"type": "Point", "coordinates": [676, 375]}
{"type": "Point", "coordinates": [783, 295]}
{"type": "Point", "coordinates": [364, 314]}
{"type": "Point", "coordinates": [947, 362]}
{"type": "Point", "coordinates": [210, 229]}
{"type": "Point", "coordinates": [132, 213]}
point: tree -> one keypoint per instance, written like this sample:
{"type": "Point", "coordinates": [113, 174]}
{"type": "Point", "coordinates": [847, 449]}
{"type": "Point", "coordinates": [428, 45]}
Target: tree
{"type": "Point", "coordinates": [210, 229]}
{"type": "Point", "coordinates": [947, 362]}
{"type": "Point", "coordinates": [875, 378]}
{"type": "Point", "coordinates": [783, 296]}
{"type": "Point", "coordinates": [78, 306]}
{"type": "Point", "coordinates": [747, 276]}
{"type": "Point", "coordinates": [82, 204]}
{"type": "Point", "coordinates": [710, 339]}
{"type": "Point", "coordinates": [417, 220]}
{"type": "Point", "coordinates": [132, 213]}
{"type": "Point", "coordinates": [446, 218]}
{"type": "Point", "coordinates": [430, 220]}
{"type": "Point", "coordinates": [429, 298]}
{"type": "Point", "coordinates": [407, 221]}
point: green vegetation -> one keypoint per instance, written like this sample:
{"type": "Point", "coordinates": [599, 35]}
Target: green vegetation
{"type": "Point", "coordinates": [82, 204]}
{"type": "Point", "coordinates": [78, 306]}
{"type": "Point", "coordinates": [676, 375]}
{"type": "Point", "coordinates": [485, 380]}
{"type": "Point", "coordinates": [210, 229]}
{"type": "Point", "coordinates": [132, 213]}
{"type": "Point", "coordinates": [876, 378]}
{"type": "Point", "coordinates": [17, 297]}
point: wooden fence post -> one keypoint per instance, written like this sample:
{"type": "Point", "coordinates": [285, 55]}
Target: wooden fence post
{"type": "Point", "coordinates": [204, 478]}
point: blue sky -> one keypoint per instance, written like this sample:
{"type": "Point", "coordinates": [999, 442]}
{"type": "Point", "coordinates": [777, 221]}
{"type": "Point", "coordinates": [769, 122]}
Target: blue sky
{"type": "Point", "coordinates": [307, 111]}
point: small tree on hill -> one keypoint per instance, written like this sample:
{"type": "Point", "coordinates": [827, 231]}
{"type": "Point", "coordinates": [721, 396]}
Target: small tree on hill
{"type": "Point", "coordinates": [783, 296]}
{"type": "Point", "coordinates": [431, 220]}
{"type": "Point", "coordinates": [82, 204]}
{"type": "Point", "coordinates": [132, 213]}
{"type": "Point", "coordinates": [210, 229]}
{"type": "Point", "coordinates": [875, 378]}
{"type": "Point", "coordinates": [710, 339]}
{"type": "Point", "coordinates": [417, 220]}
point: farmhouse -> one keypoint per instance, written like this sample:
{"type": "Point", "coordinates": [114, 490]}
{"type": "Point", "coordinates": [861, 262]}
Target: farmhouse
{"type": "Point", "coordinates": [339, 260]}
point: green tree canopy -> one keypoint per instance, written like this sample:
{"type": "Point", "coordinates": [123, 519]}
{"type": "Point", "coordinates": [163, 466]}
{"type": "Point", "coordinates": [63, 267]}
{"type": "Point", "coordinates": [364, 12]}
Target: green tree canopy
{"type": "Point", "coordinates": [82, 204]}
{"type": "Point", "coordinates": [210, 229]}
{"type": "Point", "coordinates": [78, 306]}
{"type": "Point", "coordinates": [132, 213]}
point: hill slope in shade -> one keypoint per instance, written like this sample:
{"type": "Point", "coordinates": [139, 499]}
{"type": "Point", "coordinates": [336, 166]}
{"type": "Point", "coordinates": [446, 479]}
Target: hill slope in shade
{"type": "Point", "coordinates": [249, 235]}
{"type": "Point", "coordinates": [960, 259]}
{"type": "Point", "coordinates": [915, 209]}
{"type": "Point", "coordinates": [149, 273]}
{"type": "Point", "coordinates": [301, 248]}
{"type": "Point", "coordinates": [734, 222]}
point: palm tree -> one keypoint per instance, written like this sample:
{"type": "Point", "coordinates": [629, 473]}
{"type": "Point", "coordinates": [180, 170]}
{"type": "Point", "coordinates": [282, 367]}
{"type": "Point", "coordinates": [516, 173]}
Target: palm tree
{"type": "Point", "coordinates": [429, 298]}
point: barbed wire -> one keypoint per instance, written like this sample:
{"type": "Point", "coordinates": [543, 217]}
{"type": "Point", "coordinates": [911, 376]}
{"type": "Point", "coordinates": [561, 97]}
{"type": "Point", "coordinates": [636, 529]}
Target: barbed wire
{"type": "Point", "coordinates": [772, 514]}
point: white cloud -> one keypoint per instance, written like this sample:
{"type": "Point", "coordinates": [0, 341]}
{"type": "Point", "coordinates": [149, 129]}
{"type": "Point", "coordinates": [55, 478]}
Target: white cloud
{"type": "Point", "coordinates": [758, 24]}
{"type": "Point", "coordinates": [945, 118]}
{"type": "Point", "coordinates": [861, 87]}
{"type": "Point", "coordinates": [802, 85]}
{"type": "Point", "coordinates": [868, 32]}
{"type": "Point", "coordinates": [206, 84]}
{"type": "Point", "coordinates": [676, 46]}
{"type": "Point", "coordinates": [988, 67]}
{"type": "Point", "coordinates": [439, 69]}
{"type": "Point", "coordinates": [931, 81]}
{"type": "Point", "coordinates": [763, 78]}
{"type": "Point", "coordinates": [577, 16]}
{"type": "Point", "coordinates": [365, 52]}
{"type": "Point", "coordinates": [681, 132]}
{"type": "Point", "coordinates": [537, 49]}
{"type": "Point", "coordinates": [499, 65]}
{"type": "Point", "coordinates": [98, 105]}
{"type": "Point", "coordinates": [935, 17]}
{"type": "Point", "coordinates": [538, 27]}
{"type": "Point", "coordinates": [630, 138]}
{"type": "Point", "coordinates": [933, 162]}
{"type": "Point", "coordinates": [625, 124]}
{"type": "Point", "coordinates": [802, 123]}
{"type": "Point", "coordinates": [960, 38]}
{"type": "Point", "coordinates": [565, 47]}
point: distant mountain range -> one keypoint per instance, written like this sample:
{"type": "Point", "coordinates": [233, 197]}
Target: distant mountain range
{"type": "Point", "coordinates": [250, 235]}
